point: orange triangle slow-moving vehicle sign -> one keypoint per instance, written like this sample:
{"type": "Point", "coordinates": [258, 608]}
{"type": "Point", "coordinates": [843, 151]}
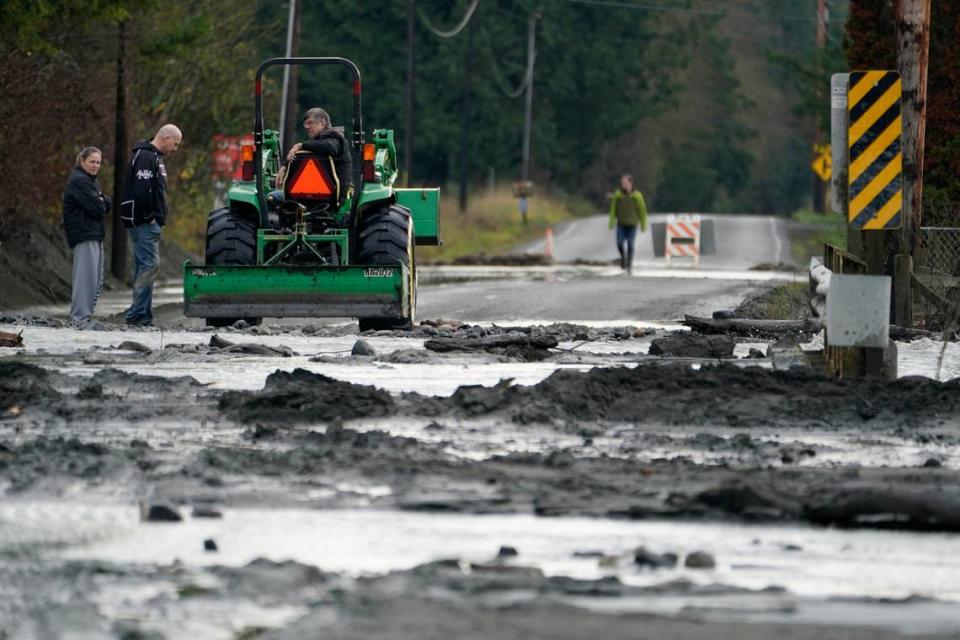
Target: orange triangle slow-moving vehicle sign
{"type": "Point", "coordinates": [310, 182]}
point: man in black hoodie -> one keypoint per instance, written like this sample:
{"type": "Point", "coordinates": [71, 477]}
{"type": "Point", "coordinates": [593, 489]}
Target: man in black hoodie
{"type": "Point", "coordinates": [144, 212]}
{"type": "Point", "coordinates": [327, 141]}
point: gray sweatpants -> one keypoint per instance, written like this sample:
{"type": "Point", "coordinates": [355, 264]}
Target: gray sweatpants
{"type": "Point", "coordinates": [87, 281]}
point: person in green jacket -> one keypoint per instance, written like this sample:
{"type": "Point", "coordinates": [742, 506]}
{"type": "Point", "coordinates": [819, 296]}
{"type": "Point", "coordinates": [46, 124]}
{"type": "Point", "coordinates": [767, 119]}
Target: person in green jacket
{"type": "Point", "coordinates": [627, 210]}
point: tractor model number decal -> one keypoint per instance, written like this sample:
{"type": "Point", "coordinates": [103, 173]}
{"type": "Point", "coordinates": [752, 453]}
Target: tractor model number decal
{"type": "Point", "coordinates": [378, 272]}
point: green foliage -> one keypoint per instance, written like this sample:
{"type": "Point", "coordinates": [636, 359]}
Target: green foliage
{"type": "Point", "coordinates": [193, 64]}
{"type": "Point", "coordinates": [786, 302]}
{"type": "Point", "coordinates": [809, 231]}
{"type": "Point", "coordinates": [35, 25]}
{"type": "Point", "coordinates": [492, 225]}
{"type": "Point", "coordinates": [710, 167]}
{"type": "Point", "coordinates": [585, 90]}
{"type": "Point", "coordinates": [710, 111]}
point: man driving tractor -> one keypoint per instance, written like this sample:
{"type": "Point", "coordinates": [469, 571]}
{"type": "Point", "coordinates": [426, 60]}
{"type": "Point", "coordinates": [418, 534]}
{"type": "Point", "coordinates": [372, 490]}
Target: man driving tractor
{"type": "Point", "coordinates": [326, 141]}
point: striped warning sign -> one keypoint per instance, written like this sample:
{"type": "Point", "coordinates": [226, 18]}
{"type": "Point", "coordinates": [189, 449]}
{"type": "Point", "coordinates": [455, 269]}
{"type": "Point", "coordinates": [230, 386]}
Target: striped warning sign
{"type": "Point", "coordinates": [876, 164]}
{"type": "Point", "coordinates": [683, 237]}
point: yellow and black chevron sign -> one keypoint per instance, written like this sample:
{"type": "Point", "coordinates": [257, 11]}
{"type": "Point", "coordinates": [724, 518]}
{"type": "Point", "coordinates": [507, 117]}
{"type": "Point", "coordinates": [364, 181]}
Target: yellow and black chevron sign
{"type": "Point", "coordinates": [876, 164]}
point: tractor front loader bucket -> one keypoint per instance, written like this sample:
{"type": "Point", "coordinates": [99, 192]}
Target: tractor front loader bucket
{"type": "Point", "coordinates": [296, 291]}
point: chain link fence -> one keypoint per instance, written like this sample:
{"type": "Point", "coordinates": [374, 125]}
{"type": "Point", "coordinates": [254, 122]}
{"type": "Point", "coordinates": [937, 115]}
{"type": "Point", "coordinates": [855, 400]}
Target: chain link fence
{"type": "Point", "coordinates": [937, 264]}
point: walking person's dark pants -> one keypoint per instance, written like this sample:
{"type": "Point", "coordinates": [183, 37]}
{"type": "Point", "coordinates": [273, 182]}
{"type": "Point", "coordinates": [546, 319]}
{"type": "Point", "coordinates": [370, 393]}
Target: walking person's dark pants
{"type": "Point", "coordinates": [626, 237]}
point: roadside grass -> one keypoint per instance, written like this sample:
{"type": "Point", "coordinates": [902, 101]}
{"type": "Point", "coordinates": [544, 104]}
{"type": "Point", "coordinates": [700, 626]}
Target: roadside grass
{"type": "Point", "coordinates": [492, 224]}
{"type": "Point", "coordinates": [786, 302]}
{"type": "Point", "coordinates": [809, 231]}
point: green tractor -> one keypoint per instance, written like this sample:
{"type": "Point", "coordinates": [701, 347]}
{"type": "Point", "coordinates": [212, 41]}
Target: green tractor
{"type": "Point", "coordinates": [308, 246]}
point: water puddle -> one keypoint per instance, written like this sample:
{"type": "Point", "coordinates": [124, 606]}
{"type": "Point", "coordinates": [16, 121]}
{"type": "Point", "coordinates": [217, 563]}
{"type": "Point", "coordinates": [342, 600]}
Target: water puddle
{"type": "Point", "coordinates": [836, 571]}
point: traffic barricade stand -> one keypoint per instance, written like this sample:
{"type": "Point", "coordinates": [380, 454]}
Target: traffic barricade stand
{"type": "Point", "coordinates": [683, 238]}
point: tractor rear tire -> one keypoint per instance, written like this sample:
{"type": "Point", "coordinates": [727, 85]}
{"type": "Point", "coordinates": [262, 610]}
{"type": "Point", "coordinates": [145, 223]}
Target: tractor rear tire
{"type": "Point", "coordinates": [231, 239]}
{"type": "Point", "coordinates": [386, 238]}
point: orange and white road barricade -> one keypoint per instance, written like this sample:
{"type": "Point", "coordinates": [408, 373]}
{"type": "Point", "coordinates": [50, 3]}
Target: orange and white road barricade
{"type": "Point", "coordinates": [683, 238]}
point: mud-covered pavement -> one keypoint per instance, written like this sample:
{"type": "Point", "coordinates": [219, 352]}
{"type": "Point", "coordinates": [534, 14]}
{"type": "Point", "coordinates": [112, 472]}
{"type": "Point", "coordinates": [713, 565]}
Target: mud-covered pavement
{"type": "Point", "coordinates": [544, 481]}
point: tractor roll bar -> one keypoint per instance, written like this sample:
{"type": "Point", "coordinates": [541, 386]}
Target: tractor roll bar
{"type": "Point", "coordinates": [258, 119]}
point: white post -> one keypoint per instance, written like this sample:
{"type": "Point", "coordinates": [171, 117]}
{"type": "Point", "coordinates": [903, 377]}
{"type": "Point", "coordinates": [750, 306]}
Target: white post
{"type": "Point", "coordinates": [286, 71]}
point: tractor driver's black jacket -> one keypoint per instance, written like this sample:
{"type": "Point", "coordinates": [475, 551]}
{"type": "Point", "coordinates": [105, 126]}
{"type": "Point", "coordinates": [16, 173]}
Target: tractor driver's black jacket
{"type": "Point", "coordinates": [84, 207]}
{"type": "Point", "coordinates": [145, 187]}
{"type": "Point", "coordinates": [330, 142]}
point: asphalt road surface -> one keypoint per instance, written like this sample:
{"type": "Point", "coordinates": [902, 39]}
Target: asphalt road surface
{"type": "Point", "coordinates": [652, 293]}
{"type": "Point", "coordinates": [743, 241]}
{"type": "Point", "coordinates": [603, 296]}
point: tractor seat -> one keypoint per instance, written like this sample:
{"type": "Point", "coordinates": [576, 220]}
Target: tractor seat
{"type": "Point", "coordinates": [312, 180]}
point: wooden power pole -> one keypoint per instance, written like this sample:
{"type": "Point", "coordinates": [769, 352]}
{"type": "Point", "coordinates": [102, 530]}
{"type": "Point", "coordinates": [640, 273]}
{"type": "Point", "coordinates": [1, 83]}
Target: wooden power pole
{"type": "Point", "coordinates": [118, 233]}
{"type": "Point", "coordinates": [528, 107]}
{"type": "Point", "coordinates": [465, 118]}
{"type": "Point", "coordinates": [913, 53]}
{"type": "Point", "coordinates": [819, 186]}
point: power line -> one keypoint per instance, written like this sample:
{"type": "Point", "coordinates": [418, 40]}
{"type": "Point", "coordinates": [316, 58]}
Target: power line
{"type": "Point", "coordinates": [500, 80]}
{"type": "Point", "coordinates": [621, 4]}
{"type": "Point", "coordinates": [457, 29]}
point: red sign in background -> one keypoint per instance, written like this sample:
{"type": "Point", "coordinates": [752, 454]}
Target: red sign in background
{"type": "Point", "coordinates": [226, 155]}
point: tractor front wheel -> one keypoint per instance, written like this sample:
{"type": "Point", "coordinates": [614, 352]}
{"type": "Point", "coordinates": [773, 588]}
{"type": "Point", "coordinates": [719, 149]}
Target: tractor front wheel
{"type": "Point", "coordinates": [386, 238]}
{"type": "Point", "coordinates": [231, 239]}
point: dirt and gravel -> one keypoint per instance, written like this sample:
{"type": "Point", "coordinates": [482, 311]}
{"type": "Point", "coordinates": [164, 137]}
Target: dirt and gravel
{"type": "Point", "coordinates": [37, 263]}
{"type": "Point", "coordinates": [299, 427]}
{"type": "Point", "coordinates": [691, 434]}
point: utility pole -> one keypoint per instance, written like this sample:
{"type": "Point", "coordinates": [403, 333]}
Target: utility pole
{"type": "Point", "coordinates": [913, 53]}
{"type": "Point", "coordinates": [288, 107]}
{"type": "Point", "coordinates": [528, 111]}
{"type": "Point", "coordinates": [118, 253]}
{"type": "Point", "coordinates": [465, 119]}
{"type": "Point", "coordinates": [819, 186]}
{"type": "Point", "coordinates": [408, 101]}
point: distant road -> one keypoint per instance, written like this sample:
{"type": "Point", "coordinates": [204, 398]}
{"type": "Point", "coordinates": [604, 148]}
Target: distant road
{"type": "Point", "coordinates": [654, 293]}
{"type": "Point", "coordinates": [743, 241]}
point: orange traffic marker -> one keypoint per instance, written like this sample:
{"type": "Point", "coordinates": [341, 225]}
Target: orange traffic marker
{"type": "Point", "coordinates": [310, 182]}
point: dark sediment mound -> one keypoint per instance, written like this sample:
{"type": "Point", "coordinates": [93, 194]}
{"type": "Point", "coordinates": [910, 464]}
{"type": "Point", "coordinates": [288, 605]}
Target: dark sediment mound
{"type": "Point", "coordinates": [928, 509]}
{"type": "Point", "coordinates": [45, 458]}
{"type": "Point", "coordinates": [691, 345]}
{"type": "Point", "coordinates": [731, 395]}
{"type": "Point", "coordinates": [375, 454]}
{"type": "Point", "coordinates": [124, 381]}
{"type": "Point", "coordinates": [38, 271]}
{"type": "Point", "coordinates": [264, 578]}
{"type": "Point", "coordinates": [647, 394]}
{"type": "Point", "coordinates": [301, 396]}
{"type": "Point", "coordinates": [520, 347]}
{"type": "Point", "coordinates": [24, 384]}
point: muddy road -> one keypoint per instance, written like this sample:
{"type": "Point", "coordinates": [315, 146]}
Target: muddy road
{"type": "Point", "coordinates": [491, 476]}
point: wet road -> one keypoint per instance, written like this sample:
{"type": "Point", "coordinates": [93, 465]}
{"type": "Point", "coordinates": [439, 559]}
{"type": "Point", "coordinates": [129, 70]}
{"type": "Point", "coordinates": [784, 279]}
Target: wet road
{"type": "Point", "coordinates": [605, 295]}
{"type": "Point", "coordinates": [742, 241]}
{"type": "Point", "coordinates": [652, 293]}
